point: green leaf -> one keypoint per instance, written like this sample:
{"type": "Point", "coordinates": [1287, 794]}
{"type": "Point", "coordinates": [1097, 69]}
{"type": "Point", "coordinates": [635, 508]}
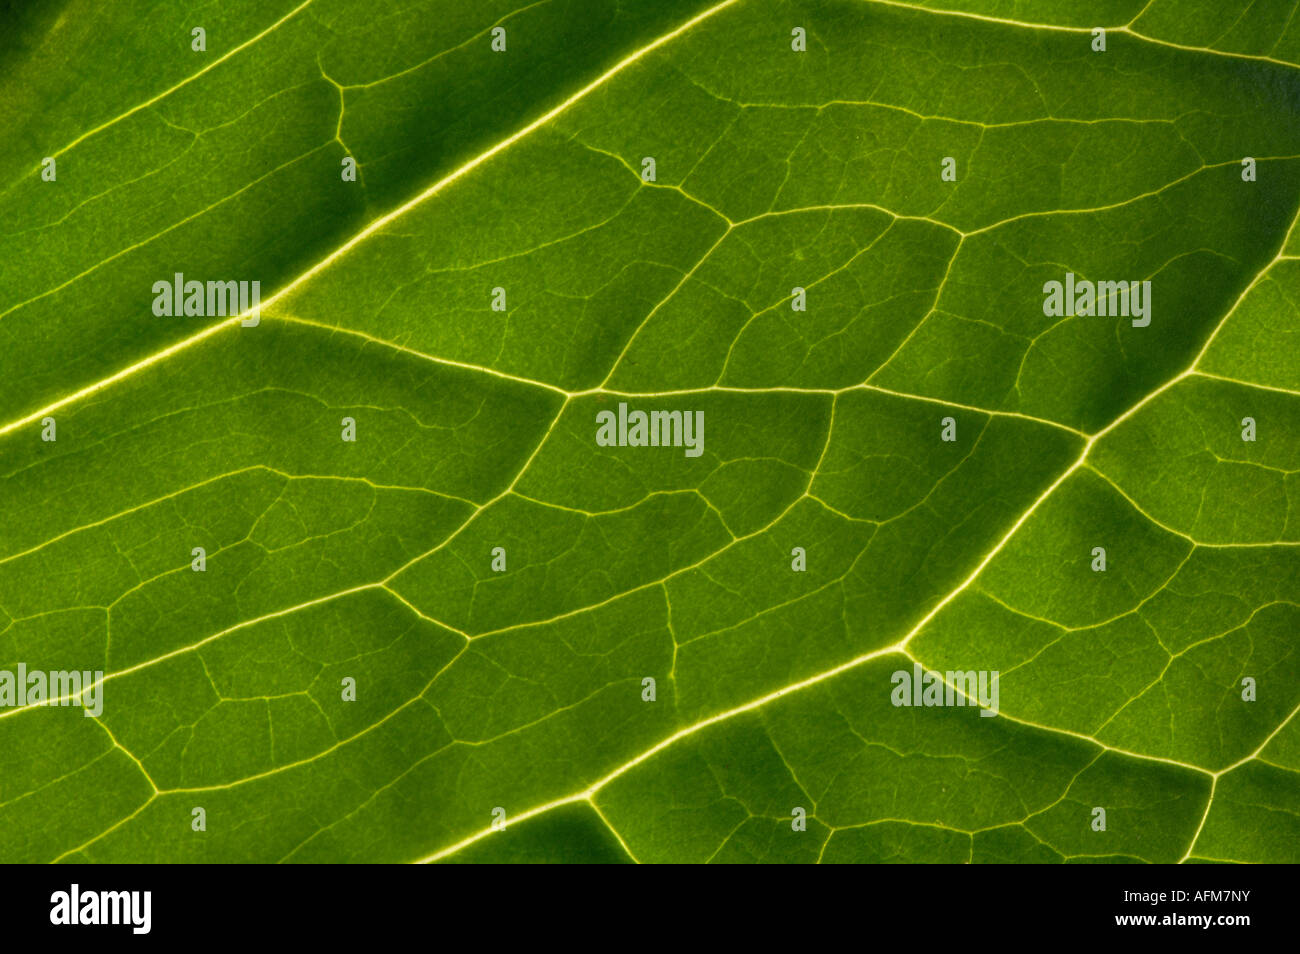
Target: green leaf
{"type": "Point", "coordinates": [497, 584]}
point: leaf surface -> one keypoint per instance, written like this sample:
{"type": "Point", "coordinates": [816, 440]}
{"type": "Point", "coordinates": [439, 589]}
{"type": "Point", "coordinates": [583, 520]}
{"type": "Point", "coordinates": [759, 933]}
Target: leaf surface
{"type": "Point", "coordinates": [521, 689]}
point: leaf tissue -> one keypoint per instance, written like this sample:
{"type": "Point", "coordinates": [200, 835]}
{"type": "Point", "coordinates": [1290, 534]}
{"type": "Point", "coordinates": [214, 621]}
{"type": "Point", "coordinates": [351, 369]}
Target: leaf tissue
{"type": "Point", "coordinates": [689, 431]}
